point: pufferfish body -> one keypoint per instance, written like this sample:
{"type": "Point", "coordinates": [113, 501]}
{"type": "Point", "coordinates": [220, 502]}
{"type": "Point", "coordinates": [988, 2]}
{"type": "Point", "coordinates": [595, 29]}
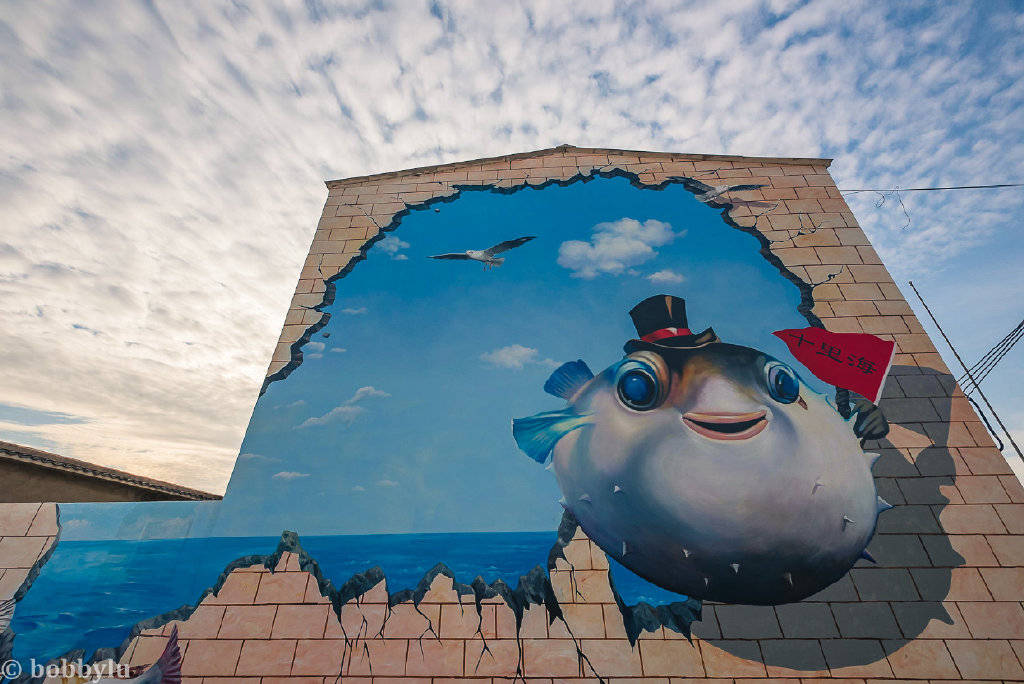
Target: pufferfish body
{"type": "Point", "coordinates": [711, 471]}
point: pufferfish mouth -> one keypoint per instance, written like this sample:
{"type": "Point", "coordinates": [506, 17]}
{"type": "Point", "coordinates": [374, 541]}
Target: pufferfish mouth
{"type": "Point", "coordinates": [726, 424]}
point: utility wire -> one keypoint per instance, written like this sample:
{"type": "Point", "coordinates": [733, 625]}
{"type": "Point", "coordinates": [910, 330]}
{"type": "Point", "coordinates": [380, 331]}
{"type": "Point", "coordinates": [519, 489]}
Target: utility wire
{"type": "Point", "coordinates": [966, 370]}
{"type": "Point", "coordinates": [984, 366]}
{"type": "Point", "coordinates": [948, 187]}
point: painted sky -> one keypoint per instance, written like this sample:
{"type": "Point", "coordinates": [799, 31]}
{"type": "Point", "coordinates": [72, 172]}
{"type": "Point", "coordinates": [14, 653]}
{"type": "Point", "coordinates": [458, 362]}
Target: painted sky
{"type": "Point", "coordinates": [163, 166]}
{"type": "Point", "coordinates": [398, 420]}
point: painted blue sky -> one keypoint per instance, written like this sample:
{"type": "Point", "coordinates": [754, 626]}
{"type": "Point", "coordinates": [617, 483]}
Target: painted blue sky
{"type": "Point", "coordinates": [163, 167]}
{"type": "Point", "coordinates": [399, 419]}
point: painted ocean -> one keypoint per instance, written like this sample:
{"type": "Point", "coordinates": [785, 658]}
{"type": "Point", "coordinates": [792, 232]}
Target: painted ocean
{"type": "Point", "coordinates": [90, 593]}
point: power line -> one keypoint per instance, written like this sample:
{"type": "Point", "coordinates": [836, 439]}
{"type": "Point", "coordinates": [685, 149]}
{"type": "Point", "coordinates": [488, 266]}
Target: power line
{"type": "Point", "coordinates": [948, 187]}
{"type": "Point", "coordinates": [966, 370]}
{"type": "Point", "coordinates": [984, 366]}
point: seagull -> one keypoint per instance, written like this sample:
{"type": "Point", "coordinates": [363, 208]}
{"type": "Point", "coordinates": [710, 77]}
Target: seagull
{"type": "Point", "coordinates": [6, 613]}
{"type": "Point", "coordinates": [166, 670]}
{"type": "Point", "coordinates": [710, 193]}
{"type": "Point", "coordinates": [486, 256]}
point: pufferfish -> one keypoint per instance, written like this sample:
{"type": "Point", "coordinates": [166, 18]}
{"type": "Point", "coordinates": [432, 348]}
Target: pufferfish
{"type": "Point", "coordinates": [710, 469]}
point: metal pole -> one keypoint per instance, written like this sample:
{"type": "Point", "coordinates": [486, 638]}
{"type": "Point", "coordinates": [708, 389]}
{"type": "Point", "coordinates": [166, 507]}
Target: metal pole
{"type": "Point", "coordinates": [967, 370]}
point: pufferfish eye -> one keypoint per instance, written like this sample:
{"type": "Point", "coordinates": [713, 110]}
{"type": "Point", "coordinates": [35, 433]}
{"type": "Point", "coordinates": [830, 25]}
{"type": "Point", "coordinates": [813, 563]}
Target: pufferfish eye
{"type": "Point", "coordinates": [642, 381]}
{"type": "Point", "coordinates": [783, 385]}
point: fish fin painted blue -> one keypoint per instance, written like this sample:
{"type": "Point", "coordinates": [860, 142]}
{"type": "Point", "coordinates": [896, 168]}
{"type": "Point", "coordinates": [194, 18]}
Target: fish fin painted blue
{"type": "Point", "coordinates": [536, 435]}
{"type": "Point", "coordinates": [568, 378]}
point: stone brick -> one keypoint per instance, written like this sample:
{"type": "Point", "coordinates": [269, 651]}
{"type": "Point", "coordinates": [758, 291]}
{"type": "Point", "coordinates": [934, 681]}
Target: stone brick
{"type": "Point", "coordinates": [247, 622]}
{"type": "Point", "coordinates": [444, 657]}
{"type": "Point", "coordinates": [748, 622]}
{"type": "Point", "coordinates": [501, 658]}
{"type": "Point", "coordinates": [318, 657]}
{"type": "Point", "coordinates": [585, 619]}
{"type": "Point", "coordinates": [838, 255]}
{"type": "Point", "coordinates": [379, 657]}
{"type": "Point", "coordinates": [1013, 488]}
{"type": "Point", "coordinates": [840, 590]}
{"type": "Point", "coordinates": [898, 550]}
{"type": "Point", "coordinates": [794, 658]}
{"type": "Point", "coordinates": [613, 658]}
{"type": "Point", "coordinates": [806, 620]}
{"type": "Point", "coordinates": [985, 660]}
{"type": "Point", "coordinates": [281, 587]}
{"type": "Point", "coordinates": [855, 658]}
{"type": "Point", "coordinates": [925, 659]}
{"type": "Point", "coordinates": [671, 658]}
{"type": "Point", "coordinates": [927, 490]}
{"type": "Point", "coordinates": [796, 256]}
{"type": "Point", "coordinates": [981, 489]}
{"type": "Point", "coordinates": [300, 622]}
{"type": "Point", "coordinates": [408, 622]}
{"type": "Point", "coordinates": [970, 519]}
{"type": "Point", "coordinates": [908, 518]}
{"type": "Point", "coordinates": [22, 552]}
{"type": "Point", "coordinates": [956, 584]}
{"type": "Point", "coordinates": [462, 621]}
{"type": "Point", "coordinates": [16, 518]}
{"type": "Point", "coordinates": [266, 657]}
{"type": "Point", "coordinates": [884, 584]}
{"type": "Point", "coordinates": [993, 619]}
{"type": "Point", "coordinates": [984, 461]}
{"type": "Point", "coordinates": [1009, 550]}
{"type": "Point", "coordinates": [732, 659]}
{"type": "Point", "coordinates": [930, 620]}
{"type": "Point", "coordinates": [210, 657]}
{"type": "Point", "coordinates": [868, 620]}
{"type": "Point", "coordinates": [1005, 584]}
{"type": "Point", "coordinates": [550, 657]}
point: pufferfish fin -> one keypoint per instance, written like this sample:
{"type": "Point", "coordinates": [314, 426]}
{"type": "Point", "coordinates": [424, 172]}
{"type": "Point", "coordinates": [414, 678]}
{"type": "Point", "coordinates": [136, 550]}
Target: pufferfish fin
{"type": "Point", "coordinates": [537, 435]}
{"type": "Point", "coordinates": [568, 378]}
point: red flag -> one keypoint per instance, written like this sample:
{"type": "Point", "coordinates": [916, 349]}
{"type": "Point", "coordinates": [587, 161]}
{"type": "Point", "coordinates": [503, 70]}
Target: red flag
{"type": "Point", "coordinates": [853, 361]}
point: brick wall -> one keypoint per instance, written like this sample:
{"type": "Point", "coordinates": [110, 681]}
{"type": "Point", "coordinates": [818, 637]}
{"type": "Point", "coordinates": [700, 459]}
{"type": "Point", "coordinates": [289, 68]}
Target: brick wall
{"type": "Point", "coordinates": [944, 602]}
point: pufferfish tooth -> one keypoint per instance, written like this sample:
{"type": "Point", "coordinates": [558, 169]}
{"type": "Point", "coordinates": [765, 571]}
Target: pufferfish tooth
{"type": "Point", "coordinates": [625, 548]}
{"type": "Point", "coordinates": [616, 489]}
{"type": "Point", "coordinates": [563, 503]}
{"type": "Point", "coordinates": [872, 457]}
{"type": "Point", "coordinates": [847, 521]}
{"type": "Point", "coordinates": [883, 505]}
{"type": "Point", "coordinates": [735, 567]}
{"type": "Point", "coordinates": [788, 576]}
{"type": "Point", "coordinates": [686, 553]}
{"type": "Point", "coordinates": [817, 485]}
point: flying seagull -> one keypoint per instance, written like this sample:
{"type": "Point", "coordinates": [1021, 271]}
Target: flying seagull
{"type": "Point", "coordinates": [486, 256]}
{"type": "Point", "coordinates": [709, 193]}
{"type": "Point", "coordinates": [6, 613]}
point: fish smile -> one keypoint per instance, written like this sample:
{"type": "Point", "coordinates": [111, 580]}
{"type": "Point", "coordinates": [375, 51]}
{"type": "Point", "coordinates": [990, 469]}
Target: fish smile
{"type": "Point", "coordinates": [727, 425]}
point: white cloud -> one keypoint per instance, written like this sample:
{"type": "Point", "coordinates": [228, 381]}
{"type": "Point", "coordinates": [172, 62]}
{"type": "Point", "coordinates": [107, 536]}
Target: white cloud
{"type": "Point", "coordinates": [359, 488]}
{"type": "Point", "coordinates": [289, 475]}
{"type": "Point", "coordinates": [393, 245]}
{"type": "Point", "coordinates": [354, 311]}
{"type": "Point", "coordinates": [666, 276]}
{"type": "Point", "coordinates": [346, 412]}
{"type": "Point", "coordinates": [615, 246]}
{"type": "Point", "coordinates": [163, 164]}
{"type": "Point", "coordinates": [516, 356]}
{"type": "Point", "coordinates": [338, 350]}
{"type": "Point", "coordinates": [315, 346]}
{"type": "Point", "coordinates": [386, 483]}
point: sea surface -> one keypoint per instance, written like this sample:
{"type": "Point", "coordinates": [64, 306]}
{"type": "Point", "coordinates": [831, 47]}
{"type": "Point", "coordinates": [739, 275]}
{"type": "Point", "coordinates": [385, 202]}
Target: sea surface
{"type": "Point", "coordinates": [90, 593]}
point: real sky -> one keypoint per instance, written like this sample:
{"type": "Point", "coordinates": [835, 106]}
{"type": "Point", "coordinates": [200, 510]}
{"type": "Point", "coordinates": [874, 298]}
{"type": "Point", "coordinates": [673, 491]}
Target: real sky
{"type": "Point", "coordinates": [163, 168]}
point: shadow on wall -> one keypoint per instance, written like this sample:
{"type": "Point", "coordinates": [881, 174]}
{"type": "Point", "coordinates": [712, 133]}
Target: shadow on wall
{"type": "Point", "coordinates": [876, 608]}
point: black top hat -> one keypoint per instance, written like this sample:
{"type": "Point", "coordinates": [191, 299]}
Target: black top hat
{"type": "Point", "coordinates": [661, 326]}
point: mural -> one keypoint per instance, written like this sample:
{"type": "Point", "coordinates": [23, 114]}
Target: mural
{"type": "Point", "coordinates": [707, 465]}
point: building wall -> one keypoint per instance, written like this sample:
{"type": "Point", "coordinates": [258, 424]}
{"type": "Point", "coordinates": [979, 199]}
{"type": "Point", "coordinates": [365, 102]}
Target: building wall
{"type": "Point", "coordinates": [25, 482]}
{"type": "Point", "coordinates": [944, 605]}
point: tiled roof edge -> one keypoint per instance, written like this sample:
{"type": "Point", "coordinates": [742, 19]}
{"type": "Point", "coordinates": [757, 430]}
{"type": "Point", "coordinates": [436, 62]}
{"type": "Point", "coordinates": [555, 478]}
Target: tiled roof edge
{"type": "Point", "coordinates": [17, 452]}
{"type": "Point", "coordinates": [584, 150]}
